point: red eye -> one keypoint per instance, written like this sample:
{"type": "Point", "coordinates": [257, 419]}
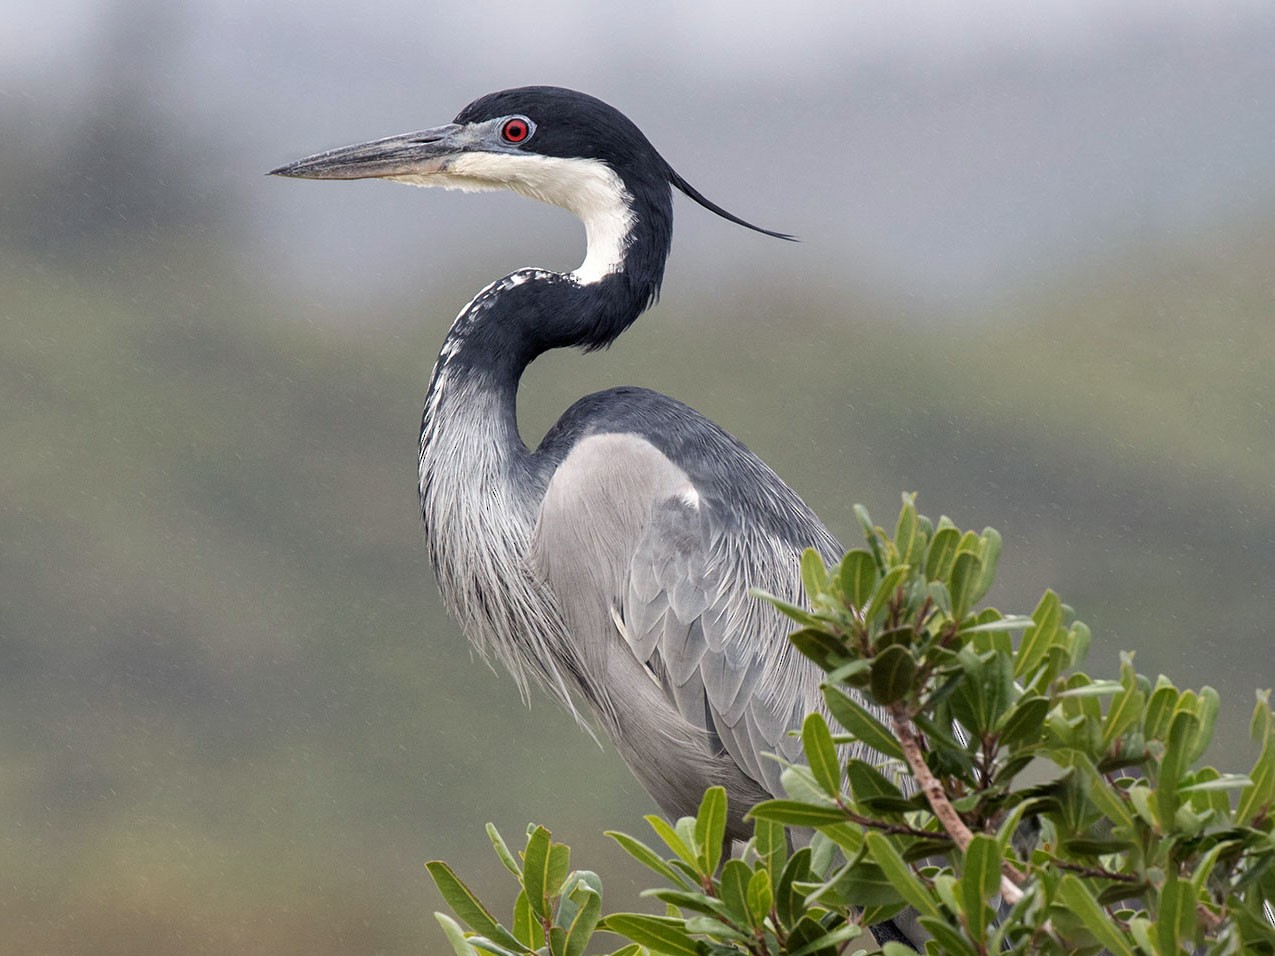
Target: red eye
{"type": "Point", "coordinates": [516, 130]}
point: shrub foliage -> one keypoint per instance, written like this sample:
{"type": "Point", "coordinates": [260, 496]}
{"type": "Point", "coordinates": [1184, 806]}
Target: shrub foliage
{"type": "Point", "coordinates": [1015, 804]}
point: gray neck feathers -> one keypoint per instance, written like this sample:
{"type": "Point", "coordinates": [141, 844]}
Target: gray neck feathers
{"type": "Point", "coordinates": [479, 498]}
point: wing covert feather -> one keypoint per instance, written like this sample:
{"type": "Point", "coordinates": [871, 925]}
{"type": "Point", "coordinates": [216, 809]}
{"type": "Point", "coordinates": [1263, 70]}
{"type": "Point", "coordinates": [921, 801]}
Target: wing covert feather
{"type": "Point", "coordinates": [704, 628]}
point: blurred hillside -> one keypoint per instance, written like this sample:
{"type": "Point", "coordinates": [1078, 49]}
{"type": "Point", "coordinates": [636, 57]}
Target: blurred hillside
{"type": "Point", "coordinates": [233, 715]}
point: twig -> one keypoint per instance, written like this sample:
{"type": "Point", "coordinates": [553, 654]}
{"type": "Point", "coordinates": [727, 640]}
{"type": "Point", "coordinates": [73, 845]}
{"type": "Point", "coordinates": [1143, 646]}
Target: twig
{"type": "Point", "coordinates": [901, 718]}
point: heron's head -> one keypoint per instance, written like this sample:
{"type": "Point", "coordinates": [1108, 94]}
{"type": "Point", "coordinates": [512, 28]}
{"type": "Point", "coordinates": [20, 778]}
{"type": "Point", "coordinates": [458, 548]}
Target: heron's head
{"type": "Point", "coordinates": [556, 145]}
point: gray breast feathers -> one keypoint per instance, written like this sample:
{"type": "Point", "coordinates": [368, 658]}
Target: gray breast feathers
{"type": "Point", "coordinates": [647, 571]}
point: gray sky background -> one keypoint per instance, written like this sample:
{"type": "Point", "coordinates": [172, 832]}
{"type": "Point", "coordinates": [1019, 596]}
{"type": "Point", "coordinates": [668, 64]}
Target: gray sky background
{"type": "Point", "coordinates": [942, 152]}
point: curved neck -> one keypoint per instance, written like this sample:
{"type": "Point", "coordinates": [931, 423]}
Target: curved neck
{"type": "Point", "coordinates": [478, 482]}
{"type": "Point", "coordinates": [519, 317]}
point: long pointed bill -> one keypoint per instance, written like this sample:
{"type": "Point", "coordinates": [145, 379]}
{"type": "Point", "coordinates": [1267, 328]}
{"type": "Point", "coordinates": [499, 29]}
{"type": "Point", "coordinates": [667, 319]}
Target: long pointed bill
{"type": "Point", "coordinates": [409, 154]}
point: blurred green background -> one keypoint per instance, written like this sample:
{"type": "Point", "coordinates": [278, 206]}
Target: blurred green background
{"type": "Point", "coordinates": [1037, 287]}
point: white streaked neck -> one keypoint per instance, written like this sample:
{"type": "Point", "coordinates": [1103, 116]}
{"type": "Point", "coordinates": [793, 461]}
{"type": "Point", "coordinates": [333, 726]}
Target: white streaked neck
{"type": "Point", "coordinates": [589, 188]}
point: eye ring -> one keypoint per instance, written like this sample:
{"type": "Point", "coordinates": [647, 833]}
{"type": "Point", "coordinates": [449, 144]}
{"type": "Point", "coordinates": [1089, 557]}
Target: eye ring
{"type": "Point", "coordinates": [517, 130]}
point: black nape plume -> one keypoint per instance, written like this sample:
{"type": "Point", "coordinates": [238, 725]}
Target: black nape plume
{"type": "Point", "coordinates": [711, 206]}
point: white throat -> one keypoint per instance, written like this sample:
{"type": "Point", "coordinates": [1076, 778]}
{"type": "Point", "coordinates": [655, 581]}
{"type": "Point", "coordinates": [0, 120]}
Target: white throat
{"type": "Point", "coordinates": [586, 187]}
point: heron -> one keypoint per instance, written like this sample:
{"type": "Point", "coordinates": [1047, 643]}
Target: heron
{"type": "Point", "coordinates": [611, 565]}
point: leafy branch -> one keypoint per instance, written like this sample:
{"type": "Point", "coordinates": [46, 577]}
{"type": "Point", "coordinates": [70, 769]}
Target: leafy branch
{"type": "Point", "coordinates": [912, 795]}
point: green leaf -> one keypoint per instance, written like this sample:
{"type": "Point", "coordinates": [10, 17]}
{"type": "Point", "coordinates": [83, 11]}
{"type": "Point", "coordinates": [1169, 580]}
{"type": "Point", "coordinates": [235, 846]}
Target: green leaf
{"type": "Point", "coordinates": [1205, 791]}
{"type": "Point", "coordinates": [794, 813]}
{"type": "Point", "coordinates": [1177, 914]}
{"type": "Point", "coordinates": [559, 864]}
{"type": "Point", "coordinates": [799, 783]}
{"type": "Point", "coordinates": [684, 827]}
{"type": "Point", "coordinates": [694, 900]}
{"type": "Point", "coordinates": [760, 897]}
{"type": "Point", "coordinates": [647, 857]}
{"type": "Point", "coordinates": [502, 850]}
{"type": "Point", "coordinates": [1073, 894]}
{"type": "Point", "coordinates": [867, 782]}
{"type": "Point", "coordinates": [1078, 638]}
{"type": "Point", "coordinates": [584, 920]}
{"type": "Point", "coordinates": [871, 536]}
{"type": "Point", "coordinates": [1256, 799]}
{"type": "Point", "coordinates": [855, 718]}
{"type": "Point", "coordinates": [904, 636]}
{"type": "Point", "coordinates": [570, 894]}
{"type": "Point", "coordinates": [846, 835]}
{"type": "Point", "coordinates": [950, 941]}
{"type": "Point", "coordinates": [455, 935]}
{"type": "Point", "coordinates": [673, 841]}
{"type": "Point", "coordinates": [820, 646]}
{"type": "Point", "coordinates": [798, 614]}
{"type": "Point", "coordinates": [814, 574]}
{"type": "Point", "coordinates": [854, 673]}
{"type": "Point", "coordinates": [900, 874]}
{"type": "Point", "coordinates": [1174, 763]}
{"type": "Point", "coordinates": [821, 754]}
{"type": "Point", "coordinates": [733, 889]}
{"type": "Point", "coordinates": [1206, 712]}
{"type": "Point", "coordinates": [941, 554]}
{"type": "Point", "coordinates": [1013, 622]}
{"type": "Point", "coordinates": [893, 671]}
{"type": "Point", "coordinates": [1095, 848]}
{"type": "Point", "coordinates": [1141, 929]}
{"type": "Point", "coordinates": [905, 536]}
{"type": "Point", "coordinates": [710, 828]}
{"type": "Point", "coordinates": [1090, 688]}
{"type": "Point", "coordinates": [1140, 796]}
{"type": "Point", "coordinates": [789, 899]}
{"type": "Point", "coordinates": [483, 944]}
{"type": "Point", "coordinates": [969, 542]}
{"type": "Point", "coordinates": [1261, 725]}
{"type": "Point", "coordinates": [1022, 722]}
{"type": "Point", "coordinates": [885, 592]}
{"type": "Point", "coordinates": [1204, 868]}
{"type": "Point", "coordinates": [984, 695]}
{"type": "Point", "coordinates": [967, 572]}
{"type": "Point", "coordinates": [829, 940]}
{"type": "Point", "coordinates": [1126, 710]}
{"type": "Point", "coordinates": [468, 906]}
{"type": "Point", "coordinates": [1008, 828]}
{"type": "Point", "coordinates": [716, 928]}
{"type": "Point", "coordinates": [1226, 781]}
{"type": "Point", "coordinates": [536, 871]}
{"type": "Point", "coordinates": [770, 842]}
{"type": "Point", "coordinates": [633, 949]}
{"type": "Point", "coordinates": [858, 576]}
{"type": "Point", "coordinates": [1100, 791]}
{"type": "Point", "coordinates": [1159, 711]}
{"type": "Point", "coordinates": [993, 636]}
{"type": "Point", "coordinates": [1039, 637]}
{"type": "Point", "coordinates": [858, 884]}
{"type": "Point", "coordinates": [936, 591]}
{"type": "Point", "coordinates": [980, 881]}
{"type": "Point", "coordinates": [989, 557]}
{"type": "Point", "coordinates": [660, 934]}
{"type": "Point", "coordinates": [823, 852]}
{"type": "Point", "coordinates": [528, 930]}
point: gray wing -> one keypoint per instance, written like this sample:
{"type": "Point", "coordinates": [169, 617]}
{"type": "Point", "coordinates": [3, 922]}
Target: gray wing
{"type": "Point", "coordinates": [724, 657]}
{"type": "Point", "coordinates": [695, 681]}
{"type": "Point", "coordinates": [649, 571]}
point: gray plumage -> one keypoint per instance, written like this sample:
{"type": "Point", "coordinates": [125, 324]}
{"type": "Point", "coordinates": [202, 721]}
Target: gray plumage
{"type": "Point", "coordinates": [648, 571]}
{"type": "Point", "coordinates": [612, 565]}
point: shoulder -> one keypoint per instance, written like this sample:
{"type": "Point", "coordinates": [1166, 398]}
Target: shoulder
{"type": "Point", "coordinates": [729, 479]}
